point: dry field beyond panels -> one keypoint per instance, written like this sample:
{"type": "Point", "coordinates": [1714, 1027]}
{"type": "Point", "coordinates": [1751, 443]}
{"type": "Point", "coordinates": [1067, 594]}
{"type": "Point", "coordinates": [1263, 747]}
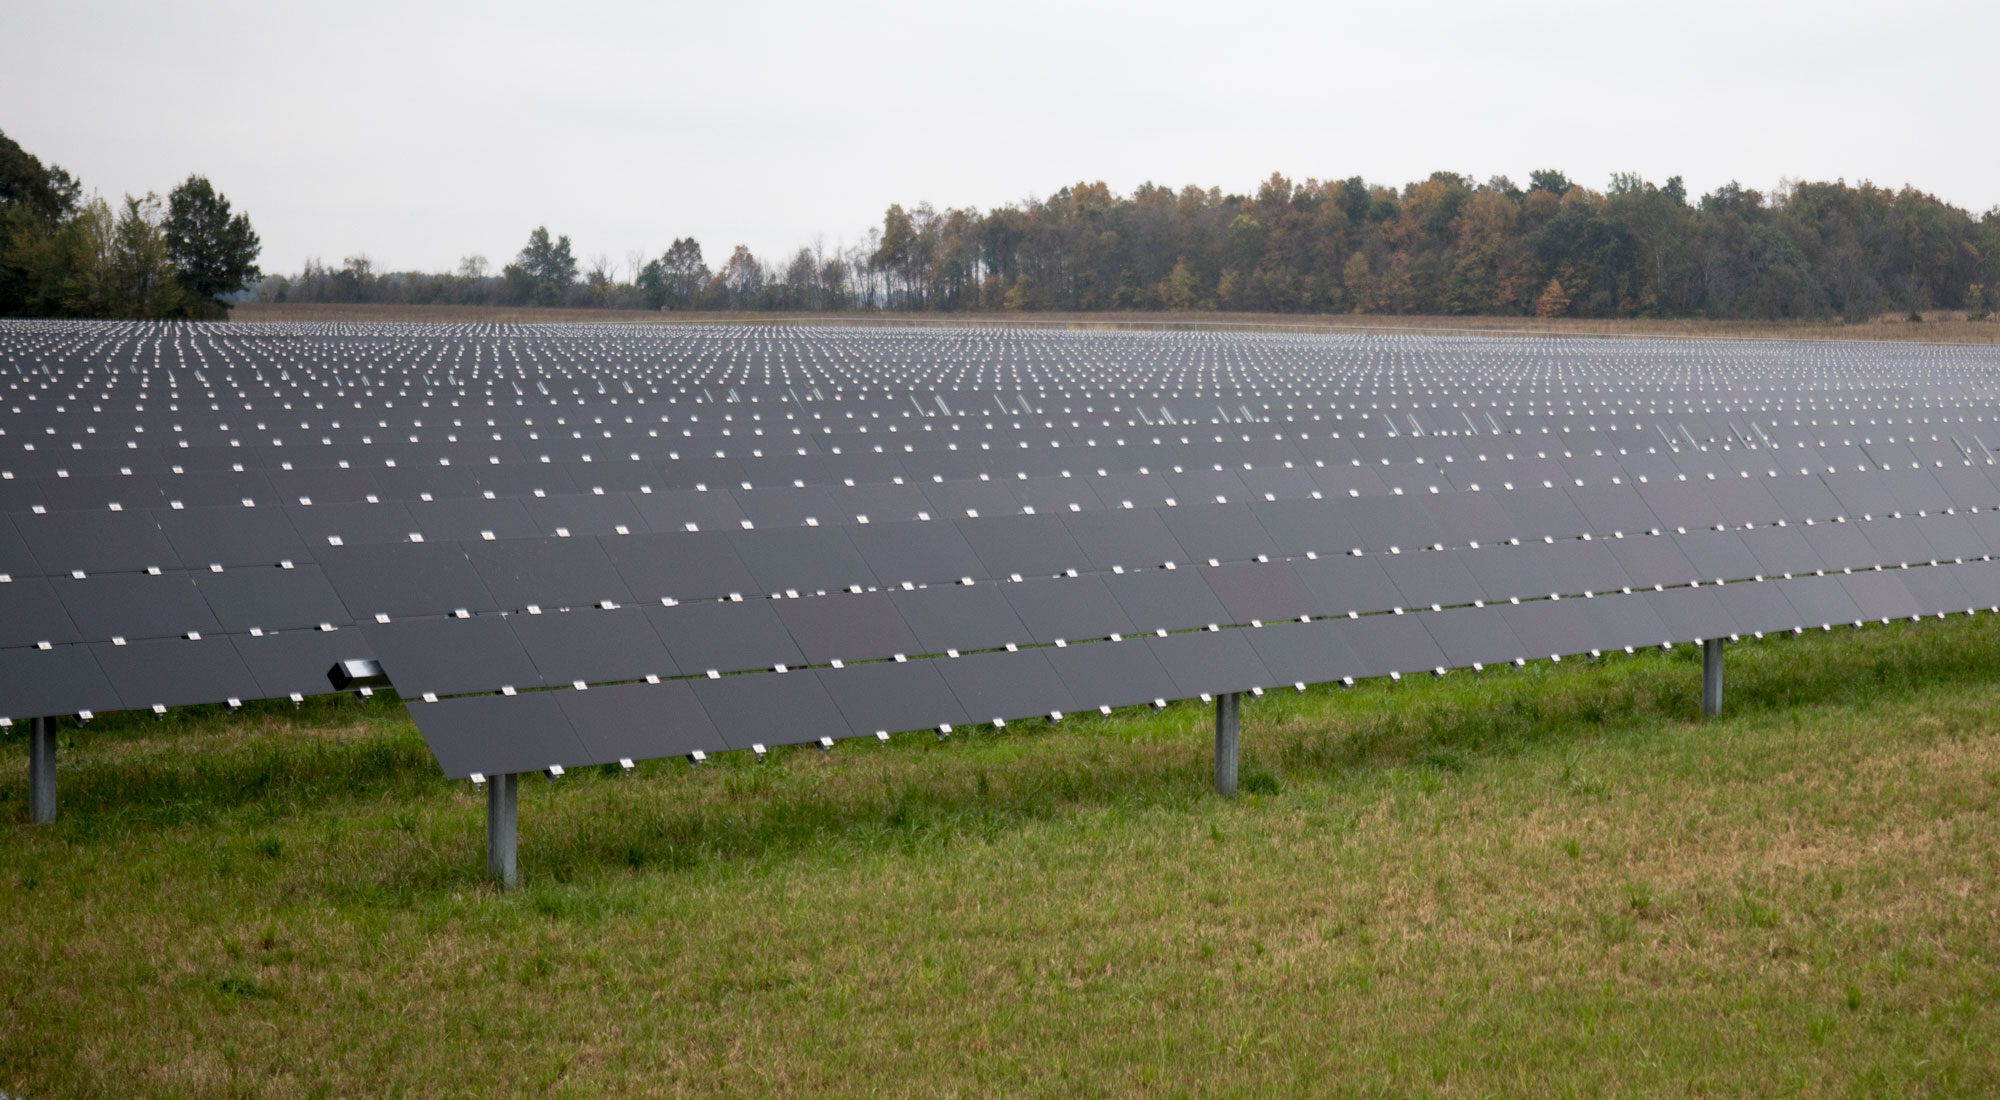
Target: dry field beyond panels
{"type": "Point", "coordinates": [1547, 881]}
{"type": "Point", "coordinates": [1940, 327]}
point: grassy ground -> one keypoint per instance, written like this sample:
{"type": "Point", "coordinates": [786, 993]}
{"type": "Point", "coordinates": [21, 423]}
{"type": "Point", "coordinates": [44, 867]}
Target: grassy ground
{"type": "Point", "coordinates": [1549, 881]}
{"type": "Point", "coordinates": [1941, 326]}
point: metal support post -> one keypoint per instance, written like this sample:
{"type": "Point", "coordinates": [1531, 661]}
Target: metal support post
{"type": "Point", "coordinates": [41, 772]}
{"type": "Point", "coordinates": [502, 795]}
{"type": "Point", "coordinates": [1227, 711]}
{"type": "Point", "coordinates": [1711, 677]}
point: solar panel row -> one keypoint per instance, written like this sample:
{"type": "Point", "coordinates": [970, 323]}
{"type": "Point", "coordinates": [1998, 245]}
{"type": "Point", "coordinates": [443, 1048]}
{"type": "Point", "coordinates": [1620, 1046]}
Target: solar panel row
{"type": "Point", "coordinates": [200, 513]}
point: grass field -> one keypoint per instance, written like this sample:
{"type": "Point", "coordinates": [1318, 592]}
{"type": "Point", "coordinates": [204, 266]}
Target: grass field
{"type": "Point", "coordinates": [1547, 881]}
{"type": "Point", "coordinates": [1939, 327]}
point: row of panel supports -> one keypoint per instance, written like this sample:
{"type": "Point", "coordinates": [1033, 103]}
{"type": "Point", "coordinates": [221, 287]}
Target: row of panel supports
{"type": "Point", "coordinates": [503, 791]}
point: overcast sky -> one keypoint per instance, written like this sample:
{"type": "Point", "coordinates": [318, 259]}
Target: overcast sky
{"type": "Point", "coordinates": [419, 133]}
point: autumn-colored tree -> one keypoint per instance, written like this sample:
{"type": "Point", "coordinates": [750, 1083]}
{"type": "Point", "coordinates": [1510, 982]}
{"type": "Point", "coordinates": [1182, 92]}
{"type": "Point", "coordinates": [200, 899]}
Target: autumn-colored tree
{"type": "Point", "coordinates": [1554, 300]}
{"type": "Point", "coordinates": [1020, 296]}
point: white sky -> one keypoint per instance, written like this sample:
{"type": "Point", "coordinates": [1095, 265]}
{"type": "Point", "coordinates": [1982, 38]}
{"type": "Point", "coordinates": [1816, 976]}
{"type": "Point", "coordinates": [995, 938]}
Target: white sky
{"type": "Point", "coordinates": [418, 133]}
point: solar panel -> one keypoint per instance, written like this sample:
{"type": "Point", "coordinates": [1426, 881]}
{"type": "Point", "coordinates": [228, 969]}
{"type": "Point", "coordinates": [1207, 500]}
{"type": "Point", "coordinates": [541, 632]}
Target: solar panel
{"type": "Point", "coordinates": [227, 535]}
{"type": "Point", "coordinates": [593, 645]}
{"type": "Point", "coordinates": [1821, 601]}
{"type": "Point", "coordinates": [892, 696]}
{"type": "Point", "coordinates": [1475, 635]}
{"type": "Point", "coordinates": [1166, 599]}
{"type": "Point", "coordinates": [296, 661]}
{"type": "Point", "coordinates": [1691, 614]}
{"type": "Point", "coordinates": [95, 542]}
{"type": "Point", "coordinates": [1431, 579]}
{"type": "Point", "coordinates": [1883, 595]}
{"type": "Point", "coordinates": [1625, 622]}
{"type": "Point", "coordinates": [62, 680]}
{"type": "Point", "coordinates": [1210, 662]}
{"type": "Point", "coordinates": [1306, 653]}
{"type": "Point", "coordinates": [961, 617]}
{"type": "Point", "coordinates": [914, 552]}
{"type": "Point", "coordinates": [1007, 685]}
{"type": "Point", "coordinates": [1067, 609]}
{"type": "Point", "coordinates": [1928, 590]}
{"type": "Point", "coordinates": [1258, 592]}
{"type": "Point", "coordinates": [639, 722]}
{"type": "Point", "coordinates": [544, 482]}
{"type": "Point", "coordinates": [1026, 546]}
{"type": "Point", "coordinates": [547, 572]}
{"type": "Point", "coordinates": [1761, 607]}
{"type": "Point", "coordinates": [497, 734]}
{"type": "Point", "coordinates": [175, 672]}
{"type": "Point", "coordinates": [1218, 532]}
{"type": "Point", "coordinates": [30, 613]}
{"type": "Point", "coordinates": [451, 656]}
{"type": "Point", "coordinates": [1113, 674]}
{"type": "Point", "coordinates": [724, 636]}
{"type": "Point", "coordinates": [1348, 585]}
{"type": "Point", "coordinates": [679, 566]}
{"type": "Point", "coordinates": [407, 579]}
{"type": "Point", "coordinates": [266, 597]}
{"type": "Point", "coordinates": [770, 708]}
{"type": "Point", "coordinates": [1552, 628]}
{"type": "Point", "coordinates": [1384, 644]}
{"type": "Point", "coordinates": [134, 606]}
{"type": "Point", "coordinates": [1123, 538]}
{"type": "Point", "coordinates": [847, 627]}
{"type": "Point", "coordinates": [351, 523]}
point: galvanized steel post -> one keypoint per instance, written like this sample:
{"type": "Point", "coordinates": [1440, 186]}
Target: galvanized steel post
{"type": "Point", "coordinates": [1711, 677]}
{"type": "Point", "coordinates": [502, 794]}
{"type": "Point", "coordinates": [41, 772]}
{"type": "Point", "coordinates": [1227, 710]}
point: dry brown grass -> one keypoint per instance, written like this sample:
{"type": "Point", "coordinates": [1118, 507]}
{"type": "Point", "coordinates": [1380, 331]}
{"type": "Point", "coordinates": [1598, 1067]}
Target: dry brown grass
{"type": "Point", "coordinates": [1939, 326]}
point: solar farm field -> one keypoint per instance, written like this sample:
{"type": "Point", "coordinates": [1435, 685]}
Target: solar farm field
{"type": "Point", "coordinates": [850, 709]}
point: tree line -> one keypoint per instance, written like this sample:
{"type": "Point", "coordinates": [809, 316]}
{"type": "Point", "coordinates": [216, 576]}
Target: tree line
{"type": "Point", "coordinates": [1444, 245]}
{"type": "Point", "coordinates": [64, 255]}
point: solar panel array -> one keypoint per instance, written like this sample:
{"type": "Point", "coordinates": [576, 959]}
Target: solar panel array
{"type": "Point", "coordinates": [574, 545]}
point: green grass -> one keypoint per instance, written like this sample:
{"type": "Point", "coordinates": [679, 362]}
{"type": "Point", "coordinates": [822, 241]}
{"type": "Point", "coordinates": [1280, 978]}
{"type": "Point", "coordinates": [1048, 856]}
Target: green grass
{"type": "Point", "coordinates": [1548, 881]}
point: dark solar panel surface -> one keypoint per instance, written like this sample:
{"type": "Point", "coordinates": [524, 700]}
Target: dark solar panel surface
{"type": "Point", "coordinates": [195, 513]}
